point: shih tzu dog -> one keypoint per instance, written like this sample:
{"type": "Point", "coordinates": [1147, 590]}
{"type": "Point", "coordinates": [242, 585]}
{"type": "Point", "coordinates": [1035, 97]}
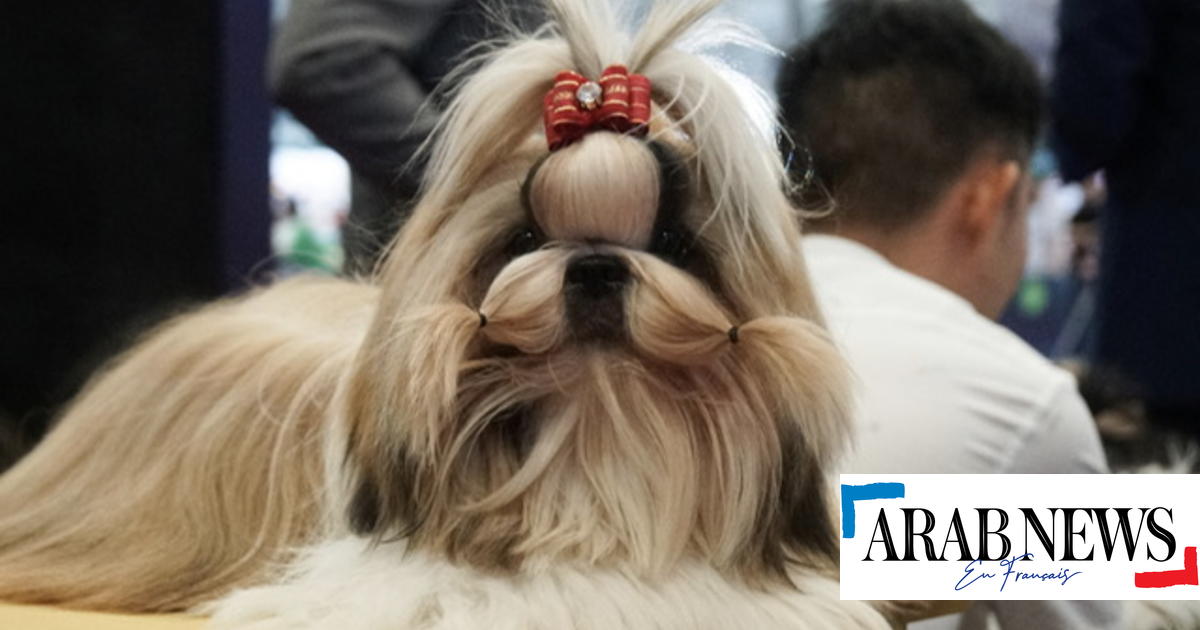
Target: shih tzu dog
{"type": "Point", "coordinates": [589, 388]}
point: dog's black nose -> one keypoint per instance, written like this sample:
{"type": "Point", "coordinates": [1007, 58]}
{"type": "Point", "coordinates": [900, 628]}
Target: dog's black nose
{"type": "Point", "coordinates": [597, 275]}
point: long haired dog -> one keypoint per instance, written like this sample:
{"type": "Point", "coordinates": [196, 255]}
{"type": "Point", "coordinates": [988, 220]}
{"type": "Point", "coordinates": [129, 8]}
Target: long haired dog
{"type": "Point", "coordinates": [590, 390]}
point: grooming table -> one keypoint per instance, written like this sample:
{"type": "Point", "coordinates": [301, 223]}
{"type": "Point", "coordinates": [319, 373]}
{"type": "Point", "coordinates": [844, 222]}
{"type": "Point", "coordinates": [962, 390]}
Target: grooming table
{"type": "Point", "coordinates": [14, 617]}
{"type": "Point", "coordinates": [18, 617]}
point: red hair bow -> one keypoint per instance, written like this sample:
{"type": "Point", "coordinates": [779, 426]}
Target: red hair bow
{"type": "Point", "coordinates": [618, 102]}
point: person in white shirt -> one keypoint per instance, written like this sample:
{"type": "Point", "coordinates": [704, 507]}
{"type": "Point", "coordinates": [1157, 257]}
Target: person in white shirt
{"type": "Point", "coordinates": [919, 120]}
{"type": "Point", "coordinates": [945, 389]}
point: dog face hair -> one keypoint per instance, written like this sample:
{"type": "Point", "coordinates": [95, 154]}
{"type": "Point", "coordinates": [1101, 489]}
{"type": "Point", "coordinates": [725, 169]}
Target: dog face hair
{"type": "Point", "coordinates": [602, 414]}
{"type": "Point", "coordinates": [606, 356]}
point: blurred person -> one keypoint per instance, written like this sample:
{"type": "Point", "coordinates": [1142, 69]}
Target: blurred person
{"type": "Point", "coordinates": [919, 121]}
{"type": "Point", "coordinates": [358, 73]}
{"type": "Point", "coordinates": [1126, 100]}
{"type": "Point", "coordinates": [1077, 336]}
{"type": "Point", "coordinates": [295, 243]}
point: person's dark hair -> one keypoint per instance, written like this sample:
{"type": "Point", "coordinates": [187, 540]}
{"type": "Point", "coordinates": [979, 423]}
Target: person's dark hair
{"type": "Point", "coordinates": [894, 98]}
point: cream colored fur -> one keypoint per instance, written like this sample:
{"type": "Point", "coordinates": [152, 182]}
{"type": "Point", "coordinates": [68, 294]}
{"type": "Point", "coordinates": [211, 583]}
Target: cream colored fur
{"type": "Point", "coordinates": [442, 469]}
{"type": "Point", "coordinates": [190, 463]}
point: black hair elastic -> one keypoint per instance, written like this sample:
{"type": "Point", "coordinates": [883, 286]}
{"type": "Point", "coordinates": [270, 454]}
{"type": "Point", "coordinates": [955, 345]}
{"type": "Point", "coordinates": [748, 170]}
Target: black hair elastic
{"type": "Point", "coordinates": [482, 319]}
{"type": "Point", "coordinates": [733, 334]}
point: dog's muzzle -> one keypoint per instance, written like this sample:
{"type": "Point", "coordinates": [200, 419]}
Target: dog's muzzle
{"type": "Point", "coordinates": [595, 287]}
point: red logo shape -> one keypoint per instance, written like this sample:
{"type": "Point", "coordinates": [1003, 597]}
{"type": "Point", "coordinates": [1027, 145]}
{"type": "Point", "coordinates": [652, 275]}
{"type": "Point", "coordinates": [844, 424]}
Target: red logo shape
{"type": "Point", "coordinates": [1186, 576]}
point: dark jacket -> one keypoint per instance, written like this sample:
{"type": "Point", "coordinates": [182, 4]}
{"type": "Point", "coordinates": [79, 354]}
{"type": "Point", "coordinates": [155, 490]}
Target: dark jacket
{"type": "Point", "coordinates": [1126, 99]}
{"type": "Point", "coordinates": [358, 74]}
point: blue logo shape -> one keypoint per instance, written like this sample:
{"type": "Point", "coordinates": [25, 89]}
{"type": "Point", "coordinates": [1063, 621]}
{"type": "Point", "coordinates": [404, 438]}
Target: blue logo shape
{"type": "Point", "coordinates": [850, 494]}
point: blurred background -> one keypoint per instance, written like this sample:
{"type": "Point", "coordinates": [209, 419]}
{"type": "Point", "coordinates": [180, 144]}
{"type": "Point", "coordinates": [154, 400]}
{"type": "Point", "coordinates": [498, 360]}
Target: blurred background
{"type": "Point", "coordinates": [146, 170]}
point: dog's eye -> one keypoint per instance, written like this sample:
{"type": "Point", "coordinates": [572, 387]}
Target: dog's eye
{"type": "Point", "coordinates": [523, 242]}
{"type": "Point", "coordinates": [672, 245]}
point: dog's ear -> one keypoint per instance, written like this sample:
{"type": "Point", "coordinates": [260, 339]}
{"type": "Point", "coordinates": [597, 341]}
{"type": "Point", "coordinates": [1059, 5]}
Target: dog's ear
{"type": "Point", "coordinates": [383, 501]}
{"type": "Point", "coordinates": [379, 492]}
{"type": "Point", "coordinates": [400, 398]}
{"type": "Point", "coordinates": [381, 474]}
{"type": "Point", "coordinates": [364, 509]}
{"type": "Point", "coordinates": [807, 523]}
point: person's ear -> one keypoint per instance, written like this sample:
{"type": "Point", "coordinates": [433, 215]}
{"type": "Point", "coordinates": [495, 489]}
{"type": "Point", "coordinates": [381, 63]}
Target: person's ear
{"type": "Point", "coordinates": [986, 193]}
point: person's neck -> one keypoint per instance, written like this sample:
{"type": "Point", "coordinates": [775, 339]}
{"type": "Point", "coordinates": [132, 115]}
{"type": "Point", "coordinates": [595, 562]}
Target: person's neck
{"type": "Point", "coordinates": [924, 249]}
